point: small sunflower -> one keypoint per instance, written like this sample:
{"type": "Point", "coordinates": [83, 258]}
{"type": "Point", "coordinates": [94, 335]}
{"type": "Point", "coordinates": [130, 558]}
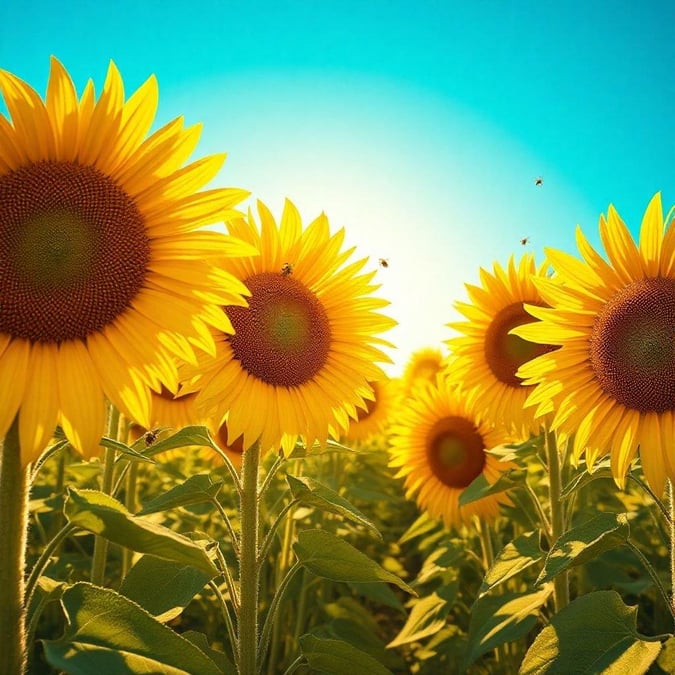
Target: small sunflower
{"type": "Point", "coordinates": [612, 381]}
{"type": "Point", "coordinates": [306, 346]}
{"type": "Point", "coordinates": [440, 445]}
{"type": "Point", "coordinates": [486, 356]}
{"type": "Point", "coordinates": [423, 364]}
{"type": "Point", "coordinates": [372, 418]}
{"type": "Point", "coordinates": [103, 270]}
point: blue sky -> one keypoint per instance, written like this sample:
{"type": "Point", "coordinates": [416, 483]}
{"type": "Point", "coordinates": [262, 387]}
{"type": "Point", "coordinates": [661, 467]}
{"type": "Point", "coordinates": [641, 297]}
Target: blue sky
{"type": "Point", "coordinates": [419, 127]}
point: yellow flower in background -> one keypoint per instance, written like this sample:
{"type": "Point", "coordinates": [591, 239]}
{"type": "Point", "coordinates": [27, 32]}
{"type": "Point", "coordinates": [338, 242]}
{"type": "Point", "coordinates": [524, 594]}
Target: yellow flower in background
{"type": "Point", "coordinates": [306, 346]}
{"type": "Point", "coordinates": [103, 271]}
{"type": "Point", "coordinates": [439, 445]}
{"type": "Point", "coordinates": [373, 417]}
{"type": "Point", "coordinates": [423, 364]}
{"type": "Point", "coordinates": [486, 356]}
{"type": "Point", "coordinates": [612, 382]}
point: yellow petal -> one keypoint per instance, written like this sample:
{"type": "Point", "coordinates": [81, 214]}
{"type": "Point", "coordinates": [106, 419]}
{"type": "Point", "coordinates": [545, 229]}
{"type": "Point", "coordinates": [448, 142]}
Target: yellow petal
{"type": "Point", "coordinates": [39, 410]}
{"type": "Point", "coordinates": [651, 236]}
{"type": "Point", "coordinates": [13, 375]}
{"type": "Point", "coordinates": [82, 403]}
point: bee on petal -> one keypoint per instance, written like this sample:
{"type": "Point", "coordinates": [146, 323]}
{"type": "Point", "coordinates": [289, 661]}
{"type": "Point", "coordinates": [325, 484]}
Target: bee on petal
{"type": "Point", "coordinates": [286, 269]}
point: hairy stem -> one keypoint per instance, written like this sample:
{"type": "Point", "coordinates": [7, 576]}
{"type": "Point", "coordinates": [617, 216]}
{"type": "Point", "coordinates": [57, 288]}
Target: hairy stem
{"type": "Point", "coordinates": [13, 533]}
{"type": "Point", "coordinates": [249, 571]}
{"type": "Point", "coordinates": [561, 595]}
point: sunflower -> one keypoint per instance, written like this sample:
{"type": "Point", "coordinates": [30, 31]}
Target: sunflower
{"type": "Point", "coordinates": [486, 356]}
{"type": "Point", "coordinates": [104, 272]}
{"type": "Point", "coordinates": [423, 364]}
{"type": "Point", "coordinates": [372, 418]}
{"type": "Point", "coordinates": [306, 347]}
{"type": "Point", "coordinates": [440, 445]}
{"type": "Point", "coordinates": [612, 382]}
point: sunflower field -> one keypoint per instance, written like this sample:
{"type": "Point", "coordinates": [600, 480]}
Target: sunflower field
{"type": "Point", "coordinates": [205, 468]}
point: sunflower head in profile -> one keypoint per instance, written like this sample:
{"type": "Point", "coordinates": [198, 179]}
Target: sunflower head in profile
{"type": "Point", "coordinates": [486, 355]}
{"type": "Point", "coordinates": [612, 381]}
{"type": "Point", "coordinates": [371, 419]}
{"type": "Point", "coordinates": [308, 343]}
{"type": "Point", "coordinates": [440, 446]}
{"type": "Point", "coordinates": [423, 365]}
{"type": "Point", "coordinates": [104, 270]}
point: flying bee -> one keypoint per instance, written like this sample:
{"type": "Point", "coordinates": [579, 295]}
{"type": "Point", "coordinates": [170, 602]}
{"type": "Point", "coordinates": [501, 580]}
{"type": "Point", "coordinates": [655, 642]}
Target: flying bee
{"type": "Point", "coordinates": [384, 262]}
{"type": "Point", "coordinates": [538, 180]}
{"type": "Point", "coordinates": [286, 269]}
{"type": "Point", "coordinates": [150, 437]}
{"type": "Point", "coordinates": [524, 240]}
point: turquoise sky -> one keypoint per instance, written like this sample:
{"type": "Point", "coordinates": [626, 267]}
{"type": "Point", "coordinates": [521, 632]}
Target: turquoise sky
{"type": "Point", "coordinates": [419, 127]}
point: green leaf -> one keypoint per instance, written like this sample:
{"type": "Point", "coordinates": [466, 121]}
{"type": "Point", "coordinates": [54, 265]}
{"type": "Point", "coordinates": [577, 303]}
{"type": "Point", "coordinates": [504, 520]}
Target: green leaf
{"type": "Point", "coordinates": [596, 633]}
{"type": "Point", "coordinates": [480, 487]}
{"type": "Point", "coordinates": [496, 619]}
{"type": "Point", "coordinates": [335, 657]}
{"type": "Point", "coordinates": [427, 617]}
{"type": "Point", "coordinates": [107, 634]}
{"type": "Point", "coordinates": [101, 514]}
{"type": "Point", "coordinates": [666, 661]}
{"type": "Point", "coordinates": [519, 554]}
{"type": "Point", "coordinates": [423, 525]}
{"type": "Point", "coordinates": [114, 444]}
{"type": "Point", "coordinates": [584, 478]}
{"type": "Point", "coordinates": [330, 557]}
{"type": "Point", "coordinates": [312, 493]}
{"type": "Point", "coordinates": [585, 542]}
{"type": "Point", "coordinates": [198, 488]}
{"type": "Point", "coordinates": [220, 659]}
{"type": "Point", "coordinates": [162, 587]}
{"type": "Point", "coordinates": [193, 435]}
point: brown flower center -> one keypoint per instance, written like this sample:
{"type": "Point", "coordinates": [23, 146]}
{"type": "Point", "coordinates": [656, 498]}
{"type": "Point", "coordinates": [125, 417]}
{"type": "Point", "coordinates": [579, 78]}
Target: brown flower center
{"type": "Point", "coordinates": [455, 451]}
{"type": "Point", "coordinates": [73, 251]}
{"type": "Point", "coordinates": [632, 346]}
{"type": "Point", "coordinates": [505, 353]}
{"type": "Point", "coordinates": [283, 337]}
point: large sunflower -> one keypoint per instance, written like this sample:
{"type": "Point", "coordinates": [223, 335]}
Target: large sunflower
{"type": "Point", "coordinates": [486, 355]}
{"type": "Point", "coordinates": [306, 346]}
{"type": "Point", "coordinates": [374, 415]}
{"type": "Point", "coordinates": [612, 382]}
{"type": "Point", "coordinates": [103, 271]}
{"type": "Point", "coordinates": [440, 445]}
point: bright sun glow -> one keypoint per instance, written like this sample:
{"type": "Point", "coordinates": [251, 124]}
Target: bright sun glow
{"type": "Point", "coordinates": [327, 146]}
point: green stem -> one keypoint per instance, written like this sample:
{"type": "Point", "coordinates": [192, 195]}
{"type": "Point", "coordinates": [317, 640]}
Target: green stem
{"type": "Point", "coordinates": [271, 618]}
{"type": "Point", "coordinates": [249, 571]}
{"type": "Point", "coordinates": [44, 559]}
{"type": "Point", "coordinates": [13, 534]}
{"type": "Point", "coordinates": [671, 504]}
{"type": "Point", "coordinates": [131, 503]}
{"type": "Point", "coordinates": [561, 597]}
{"type": "Point", "coordinates": [227, 617]}
{"type": "Point", "coordinates": [652, 573]}
{"type": "Point", "coordinates": [100, 544]}
{"type": "Point", "coordinates": [283, 562]}
{"type": "Point", "coordinates": [228, 523]}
